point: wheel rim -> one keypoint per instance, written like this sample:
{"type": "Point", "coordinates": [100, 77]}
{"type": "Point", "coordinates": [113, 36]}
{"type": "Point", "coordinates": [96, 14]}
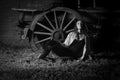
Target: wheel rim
{"type": "Point", "coordinates": [53, 24]}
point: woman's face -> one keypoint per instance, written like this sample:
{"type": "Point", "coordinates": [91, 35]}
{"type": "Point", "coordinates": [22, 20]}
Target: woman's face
{"type": "Point", "coordinates": [78, 24]}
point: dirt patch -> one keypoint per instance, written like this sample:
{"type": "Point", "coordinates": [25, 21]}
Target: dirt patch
{"type": "Point", "coordinates": [23, 64]}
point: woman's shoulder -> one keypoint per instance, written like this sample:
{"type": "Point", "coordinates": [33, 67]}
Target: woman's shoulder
{"type": "Point", "coordinates": [72, 33]}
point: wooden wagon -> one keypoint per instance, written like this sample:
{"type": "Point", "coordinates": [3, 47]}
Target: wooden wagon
{"type": "Point", "coordinates": [54, 23]}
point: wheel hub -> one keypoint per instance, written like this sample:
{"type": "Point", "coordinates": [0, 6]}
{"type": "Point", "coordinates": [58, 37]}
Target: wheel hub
{"type": "Point", "coordinates": [58, 35]}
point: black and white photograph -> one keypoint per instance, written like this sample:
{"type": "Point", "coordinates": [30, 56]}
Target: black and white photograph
{"type": "Point", "coordinates": [59, 40]}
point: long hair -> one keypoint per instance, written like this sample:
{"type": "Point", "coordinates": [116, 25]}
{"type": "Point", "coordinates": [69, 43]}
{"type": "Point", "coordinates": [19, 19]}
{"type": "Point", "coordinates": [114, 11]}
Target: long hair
{"type": "Point", "coordinates": [83, 28]}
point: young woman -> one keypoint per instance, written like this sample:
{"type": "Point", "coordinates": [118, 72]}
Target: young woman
{"type": "Point", "coordinates": [74, 46]}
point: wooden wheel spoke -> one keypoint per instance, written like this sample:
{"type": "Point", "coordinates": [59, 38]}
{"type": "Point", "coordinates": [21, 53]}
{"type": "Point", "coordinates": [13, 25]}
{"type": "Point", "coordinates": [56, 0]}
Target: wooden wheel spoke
{"type": "Point", "coordinates": [55, 19]}
{"type": "Point", "coordinates": [62, 20]}
{"type": "Point", "coordinates": [49, 22]}
{"type": "Point", "coordinates": [44, 33]}
{"type": "Point", "coordinates": [45, 39]}
{"type": "Point", "coordinates": [69, 30]}
{"type": "Point", "coordinates": [69, 23]}
{"type": "Point", "coordinates": [45, 27]}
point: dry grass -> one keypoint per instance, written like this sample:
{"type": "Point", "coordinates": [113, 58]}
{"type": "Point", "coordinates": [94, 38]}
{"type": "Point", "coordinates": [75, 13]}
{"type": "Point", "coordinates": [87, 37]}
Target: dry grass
{"type": "Point", "coordinates": [23, 64]}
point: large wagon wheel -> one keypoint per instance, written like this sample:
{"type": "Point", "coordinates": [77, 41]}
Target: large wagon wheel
{"type": "Point", "coordinates": [53, 24]}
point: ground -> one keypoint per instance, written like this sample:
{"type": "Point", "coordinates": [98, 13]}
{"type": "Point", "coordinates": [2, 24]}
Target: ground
{"type": "Point", "coordinates": [21, 63]}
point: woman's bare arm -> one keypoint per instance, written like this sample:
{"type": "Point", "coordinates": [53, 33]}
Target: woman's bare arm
{"type": "Point", "coordinates": [84, 49]}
